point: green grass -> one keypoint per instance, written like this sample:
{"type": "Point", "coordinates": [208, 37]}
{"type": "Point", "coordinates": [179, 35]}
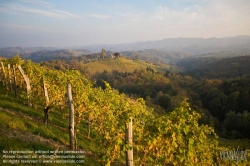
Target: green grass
{"type": "Point", "coordinates": [22, 128]}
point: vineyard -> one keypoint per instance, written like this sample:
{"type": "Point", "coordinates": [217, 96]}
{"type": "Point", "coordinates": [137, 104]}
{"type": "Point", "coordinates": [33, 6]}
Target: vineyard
{"type": "Point", "coordinates": [102, 117]}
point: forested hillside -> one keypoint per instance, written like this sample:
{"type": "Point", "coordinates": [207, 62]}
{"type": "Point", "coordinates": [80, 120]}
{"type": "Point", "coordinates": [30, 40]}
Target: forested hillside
{"type": "Point", "coordinates": [217, 90]}
{"type": "Point", "coordinates": [213, 67]}
{"type": "Point", "coordinates": [9, 52]}
{"type": "Point", "coordinates": [222, 86]}
{"type": "Point", "coordinates": [198, 61]}
{"type": "Point", "coordinates": [47, 55]}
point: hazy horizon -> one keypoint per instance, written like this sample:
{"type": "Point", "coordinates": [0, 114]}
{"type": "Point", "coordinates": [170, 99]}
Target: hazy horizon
{"type": "Point", "coordinates": [37, 23]}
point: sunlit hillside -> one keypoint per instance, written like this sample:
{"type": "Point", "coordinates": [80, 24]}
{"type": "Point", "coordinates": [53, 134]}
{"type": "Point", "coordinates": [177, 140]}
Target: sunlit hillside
{"type": "Point", "coordinates": [122, 65]}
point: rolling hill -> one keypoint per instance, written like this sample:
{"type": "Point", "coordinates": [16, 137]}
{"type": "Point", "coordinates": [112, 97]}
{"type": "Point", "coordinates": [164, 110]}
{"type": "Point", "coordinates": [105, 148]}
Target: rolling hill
{"type": "Point", "coordinates": [194, 46]}
{"type": "Point", "coordinates": [156, 56]}
{"type": "Point", "coordinates": [198, 61]}
{"type": "Point", "coordinates": [9, 52]}
{"type": "Point", "coordinates": [46, 55]}
{"type": "Point", "coordinates": [168, 49]}
{"type": "Point", "coordinates": [122, 65]}
{"type": "Point", "coordinates": [217, 67]}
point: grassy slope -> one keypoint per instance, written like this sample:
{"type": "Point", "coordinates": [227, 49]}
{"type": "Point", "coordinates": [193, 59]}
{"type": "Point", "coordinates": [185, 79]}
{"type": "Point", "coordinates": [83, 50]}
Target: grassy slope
{"type": "Point", "coordinates": [122, 65]}
{"type": "Point", "coordinates": [22, 128]}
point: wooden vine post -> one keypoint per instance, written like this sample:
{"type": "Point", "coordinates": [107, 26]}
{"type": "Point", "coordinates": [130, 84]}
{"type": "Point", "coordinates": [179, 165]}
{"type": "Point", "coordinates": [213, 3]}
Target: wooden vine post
{"type": "Point", "coordinates": [71, 118]}
{"type": "Point", "coordinates": [26, 78]}
{"type": "Point", "coordinates": [47, 107]}
{"type": "Point", "coordinates": [9, 78]}
{"type": "Point", "coordinates": [45, 93]}
{"type": "Point", "coordinates": [129, 140]}
{"type": "Point", "coordinates": [89, 127]}
{"type": "Point", "coordinates": [14, 73]}
{"type": "Point", "coordinates": [4, 75]}
{"type": "Point", "coordinates": [1, 75]}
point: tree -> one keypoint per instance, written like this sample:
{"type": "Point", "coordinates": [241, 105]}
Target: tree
{"type": "Point", "coordinates": [136, 58]}
{"type": "Point", "coordinates": [164, 101]}
{"type": "Point", "coordinates": [233, 97]}
{"type": "Point", "coordinates": [16, 60]}
{"type": "Point", "coordinates": [116, 54]}
{"type": "Point", "coordinates": [167, 73]}
{"type": "Point", "coordinates": [103, 54]}
{"type": "Point", "coordinates": [150, 69]}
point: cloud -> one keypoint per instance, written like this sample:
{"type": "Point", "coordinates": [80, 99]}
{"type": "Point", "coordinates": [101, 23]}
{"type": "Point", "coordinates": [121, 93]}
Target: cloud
{"type": "Point", "coordinates": [18, 26]}
{"type": "Point", "coordinates": [207, 19]}
{"type": "Point", "coordinates": [53, 13]}
{"type": "Point", "coordinates": [227, 10]}
{"type": "Point", "coordinates": [37, 2]}
{"type": "Point", "coordinates": [33, 29]}
{"type": "Point", "coordinates": [175, 16]}
{"type": "Point", "coordinates": [151, 20]}
{"type": "Point", "coordinates": [18, 9]}
{"type": "Point", "coordinates": [66, 14]}
{"type": "Point", "coordinates": [102, 17]}
{"type": "Point", "coordinates": [212, 13]}
{"type": "Point", "coordinates": [132, 17]}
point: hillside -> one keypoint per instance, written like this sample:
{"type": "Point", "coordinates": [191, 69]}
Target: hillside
{"type": "Point", "coordinates": [101, 115]}
{"type": "Point", "coordinates": [47, 55]}
{"type": "Point", "coordinates": [166, 49]}
{"type": "Point", "coordinates": [152, 55]}
{"type": "Point", "coordinates": [217, 67]}
{"type": "Point", "coordinates": [37, 54]}
{"type": "Point", "coordinates": [149, 55]}
{"type": "Point", "coordinates": [9, 52]}
{"type": "Point", "coordinates": [91, 64]}
{"type": "Point", "coordinates": [198, 61]}
{"type": "Point", "coordinates": [122, 65]}
{"type": "Point", "coordinates": [22, 128]}
{"type": "Point", "coordinates": [194, 46]}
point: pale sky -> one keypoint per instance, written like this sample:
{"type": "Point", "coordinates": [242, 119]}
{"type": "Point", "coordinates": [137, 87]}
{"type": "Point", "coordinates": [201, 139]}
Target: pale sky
{"type": "Point", "coordinates": [60, 23]}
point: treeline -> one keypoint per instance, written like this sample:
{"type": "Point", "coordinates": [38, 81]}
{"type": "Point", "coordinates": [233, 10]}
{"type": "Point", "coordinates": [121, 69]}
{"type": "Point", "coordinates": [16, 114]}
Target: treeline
{"type": "Point", "coordinates": [47, 55]}
{"type": "Point", "coordinates": [65, 55]}
{"type": "Point", "coordinates": [80, 55]}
